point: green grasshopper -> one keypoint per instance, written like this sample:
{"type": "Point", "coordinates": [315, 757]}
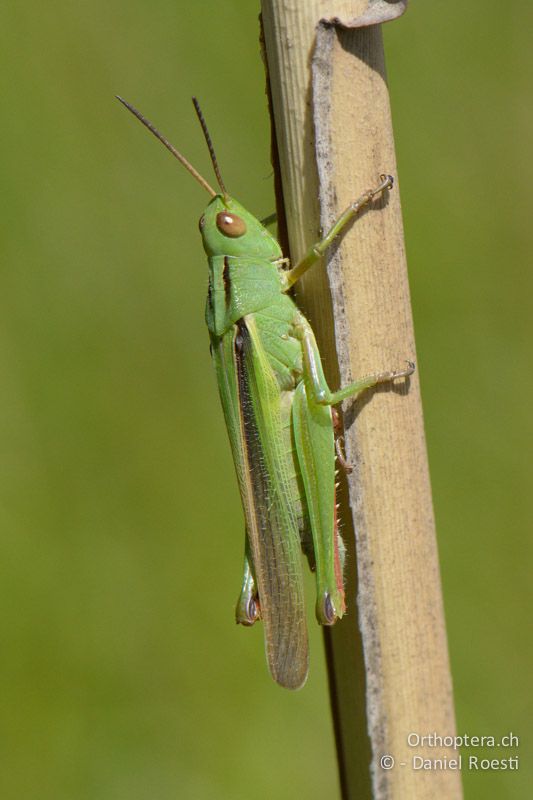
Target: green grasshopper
{"type": "Point", "coordinates": [278, 412]}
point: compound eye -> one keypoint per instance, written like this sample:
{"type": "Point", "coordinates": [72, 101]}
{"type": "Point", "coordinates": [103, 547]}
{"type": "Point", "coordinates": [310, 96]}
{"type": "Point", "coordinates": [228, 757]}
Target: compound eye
{"type": "Point", "coordinates": [230, 224]}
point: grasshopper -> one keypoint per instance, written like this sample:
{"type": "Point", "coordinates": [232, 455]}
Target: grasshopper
{"type": "Point", "coordinates": [279, 414]}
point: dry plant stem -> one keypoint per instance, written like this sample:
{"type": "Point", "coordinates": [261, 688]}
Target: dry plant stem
{"type": "Point", "coordinates": [387, 659]}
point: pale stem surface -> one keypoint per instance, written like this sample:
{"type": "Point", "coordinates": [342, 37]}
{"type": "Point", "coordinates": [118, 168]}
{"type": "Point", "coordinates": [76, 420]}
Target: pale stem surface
{"type": "Point", "coordinates": [388, 663]}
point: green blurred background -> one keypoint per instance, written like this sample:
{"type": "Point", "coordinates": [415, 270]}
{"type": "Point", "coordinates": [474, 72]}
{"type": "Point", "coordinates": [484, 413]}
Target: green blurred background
{"type": "Point", "coordinates": [122, 672]}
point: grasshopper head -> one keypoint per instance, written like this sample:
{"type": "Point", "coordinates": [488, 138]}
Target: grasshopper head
{"type": "Point", "coordinates": [229, 229]}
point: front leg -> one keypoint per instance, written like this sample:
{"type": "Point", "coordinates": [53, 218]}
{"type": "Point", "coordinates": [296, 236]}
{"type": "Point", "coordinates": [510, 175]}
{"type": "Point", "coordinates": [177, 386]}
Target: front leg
{"type": "Point", "coordinates": [314, 374]}
{"type": "Point", "coordinates": [319, 248]}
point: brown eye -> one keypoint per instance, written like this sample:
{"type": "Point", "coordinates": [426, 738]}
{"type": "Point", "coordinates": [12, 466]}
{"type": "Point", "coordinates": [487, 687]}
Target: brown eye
{"type": "Point", "coordinates": [201, 223]}
{"type": "Point", "coordinates": [230, 224]}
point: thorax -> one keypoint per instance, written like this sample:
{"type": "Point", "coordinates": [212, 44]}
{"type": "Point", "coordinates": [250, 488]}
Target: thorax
{"type": "Point", "coordinates": [239, 286]}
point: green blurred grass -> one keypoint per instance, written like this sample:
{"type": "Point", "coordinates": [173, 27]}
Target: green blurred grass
{"type": "Point", "coordinates": [122, 673]}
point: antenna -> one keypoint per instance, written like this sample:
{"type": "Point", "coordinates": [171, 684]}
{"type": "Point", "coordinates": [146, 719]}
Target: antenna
{"type": "Point", "coordinates": [196, 175]}
{"type": "Point", "coordinates": [210, 146]}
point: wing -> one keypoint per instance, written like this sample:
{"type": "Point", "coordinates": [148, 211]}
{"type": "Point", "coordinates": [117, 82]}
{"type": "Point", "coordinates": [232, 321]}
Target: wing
{"type": "Point", "coordinates": [255, 412]}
